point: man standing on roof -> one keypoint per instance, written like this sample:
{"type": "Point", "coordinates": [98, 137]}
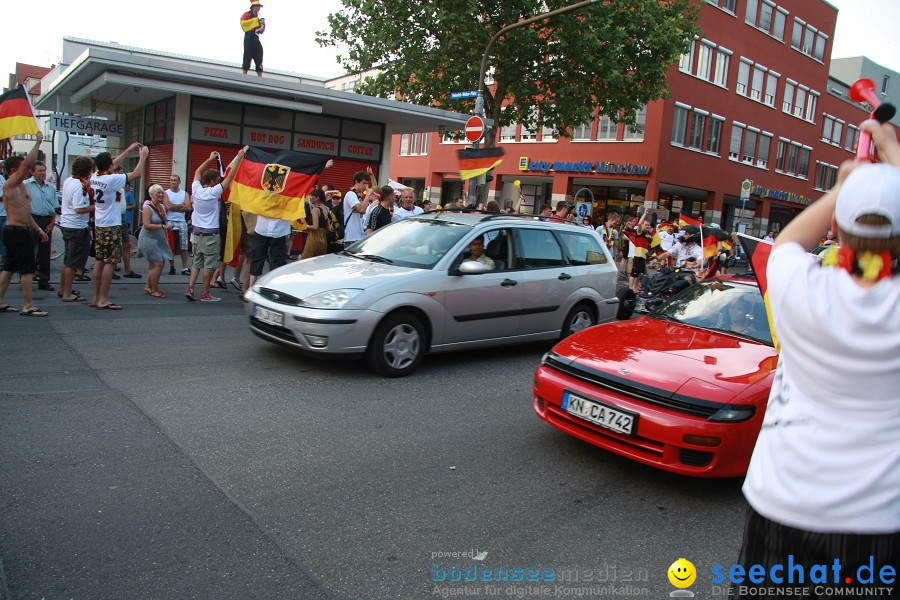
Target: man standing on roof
{"type": "Point", "coordinates": [253, 26]}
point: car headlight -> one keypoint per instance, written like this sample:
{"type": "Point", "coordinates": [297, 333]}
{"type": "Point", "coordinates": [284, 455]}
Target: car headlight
{"type": "Point", "coordinates": [733, 414]}
{"type": "Point", "coordinates": [332, 299]}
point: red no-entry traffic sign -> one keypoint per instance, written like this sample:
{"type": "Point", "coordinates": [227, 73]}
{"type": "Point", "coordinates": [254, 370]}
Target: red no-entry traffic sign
{"type": "Point", "coordinates": [474, 129]}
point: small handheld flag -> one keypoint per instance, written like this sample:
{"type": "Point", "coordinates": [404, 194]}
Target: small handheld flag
{"type": "Point", "coordinates": [16, 114]}
{"type": "Point", "coordinates": [758, 252]}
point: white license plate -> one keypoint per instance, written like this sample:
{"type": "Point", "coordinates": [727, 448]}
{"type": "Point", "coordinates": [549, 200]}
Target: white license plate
{"type": "Point", "coordinates": [268, 316]}
{"type": "Point", "coordinates": [599, 414]}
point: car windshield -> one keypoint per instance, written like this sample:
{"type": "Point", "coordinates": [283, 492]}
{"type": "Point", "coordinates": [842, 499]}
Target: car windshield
{"type": "Point", "coordinates": [720, 305]}
{"type": "Point", "coordinates": [417, 243]}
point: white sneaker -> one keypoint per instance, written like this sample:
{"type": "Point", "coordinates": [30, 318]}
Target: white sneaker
{"type": "Point", "coordinates": [236, 284]}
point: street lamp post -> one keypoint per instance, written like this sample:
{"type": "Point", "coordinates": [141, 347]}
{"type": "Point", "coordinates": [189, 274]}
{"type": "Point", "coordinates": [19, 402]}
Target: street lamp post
{"type": "Point", "coordinates": [479, 101]}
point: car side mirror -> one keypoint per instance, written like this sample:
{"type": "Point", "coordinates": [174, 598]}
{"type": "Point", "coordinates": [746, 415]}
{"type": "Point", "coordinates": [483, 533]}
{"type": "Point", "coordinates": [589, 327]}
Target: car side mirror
{"type": "Point", "coordinates": [472, 267]}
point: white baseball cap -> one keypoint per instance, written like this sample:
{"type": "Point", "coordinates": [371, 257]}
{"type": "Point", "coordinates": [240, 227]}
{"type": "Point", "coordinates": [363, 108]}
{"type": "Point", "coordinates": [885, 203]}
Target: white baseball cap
{"type": "Point", "coordinates": [870, 189]}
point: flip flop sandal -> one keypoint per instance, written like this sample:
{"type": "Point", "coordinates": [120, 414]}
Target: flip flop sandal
{"type": "Point", "coordinates": [34, 312]}
{"type": "Point", "coordinates": [82, 278]}
{"type": "Point", "coordinates": [109, 307]}
{"type": "Point", "coordinates": [148, 291]}
{"type": "Point", "coordinates": [6, 308]}
{"type": "Point", "coordinates": [74, 299]}
{"type": "Point", "coordinates": [157, 294]}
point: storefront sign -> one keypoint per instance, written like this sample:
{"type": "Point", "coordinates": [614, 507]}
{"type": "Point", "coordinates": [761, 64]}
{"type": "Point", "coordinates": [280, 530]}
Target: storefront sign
{"type": "Point", "coordinates": [267, 138]}
{"type": "Point", "coordinates": [363, 150]}
{"type": "Point", "coordinates": [599, 167]}
{"type": "Point", "coordinates": [204, 131]}
{"type": "Point", "coordinates": [304, 142]}
{"type": "Point", "coordinates": [70, 124]}
{"type": "Point", "coordinates": [764, 192]}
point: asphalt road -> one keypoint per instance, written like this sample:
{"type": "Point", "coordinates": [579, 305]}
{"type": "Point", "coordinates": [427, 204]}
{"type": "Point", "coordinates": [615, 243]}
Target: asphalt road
{"type": "Point", "coordinates": [165, 452]}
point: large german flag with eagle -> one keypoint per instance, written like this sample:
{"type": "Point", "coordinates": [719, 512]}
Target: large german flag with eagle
{"type": "Point", "coordinates": [275, 185]}
{"type": "Point", "coordinates": [16, 115]}
{"type": "Point", "coordinates": [271, 185]}
{"type": "Point", "coordinates": [758, 252]}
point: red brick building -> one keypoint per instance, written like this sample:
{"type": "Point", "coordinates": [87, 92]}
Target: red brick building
{"type": "Point", "coordinates": [750, 100]}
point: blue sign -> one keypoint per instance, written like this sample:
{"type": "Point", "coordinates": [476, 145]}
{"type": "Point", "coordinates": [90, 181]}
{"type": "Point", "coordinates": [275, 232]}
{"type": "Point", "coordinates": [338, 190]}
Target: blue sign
{"type": "Point", "coordinates": [465, 94]}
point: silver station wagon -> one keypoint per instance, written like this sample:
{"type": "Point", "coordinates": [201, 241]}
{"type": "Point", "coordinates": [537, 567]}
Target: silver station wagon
{"type": "Point", "coordinates": [415, 287]}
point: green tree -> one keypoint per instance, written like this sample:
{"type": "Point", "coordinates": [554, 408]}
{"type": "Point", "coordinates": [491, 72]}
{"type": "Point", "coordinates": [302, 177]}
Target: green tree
{"type": "Point", "coordinates": [615, 54]}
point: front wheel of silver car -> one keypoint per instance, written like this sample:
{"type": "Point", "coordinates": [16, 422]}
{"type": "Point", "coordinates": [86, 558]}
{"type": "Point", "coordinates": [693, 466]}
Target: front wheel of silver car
{"type": "Point", "coordinates": [397, 346]}
{"type": "Point", "coordinates": [580, 317]}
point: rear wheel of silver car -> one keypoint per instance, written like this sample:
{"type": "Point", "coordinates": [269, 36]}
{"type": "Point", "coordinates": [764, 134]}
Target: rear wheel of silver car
{"type": "Point", "coordinates": [580, 317]}
{"type": "Point", "coordinates": [397, 346]}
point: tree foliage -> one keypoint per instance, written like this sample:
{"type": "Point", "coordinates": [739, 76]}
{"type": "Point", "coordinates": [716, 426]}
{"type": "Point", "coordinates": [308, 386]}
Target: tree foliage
{"type": "Point", "coordinates": [614, 55]}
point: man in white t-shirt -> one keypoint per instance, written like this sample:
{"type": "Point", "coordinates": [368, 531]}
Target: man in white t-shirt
{"type": "Point", "coordinates": [177, 203]}
{"type": "Point", "coordinates": [407, 206]}
{"type": "Point", "coordinates": [206, 196]}
{"type": "Point", "coordinates": [355, 205]}
{"type": "Point", "coordinates": [108, 219]}
{"type": "Point", "coordinates": [76, 209]}
{"type": "Point", "coordinates": [824, 479]}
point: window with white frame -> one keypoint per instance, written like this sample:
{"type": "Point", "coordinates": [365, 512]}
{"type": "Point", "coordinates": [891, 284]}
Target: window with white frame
{"type": "Point", "coordinates": [714, 134]}
{"type": "Point", "coordinates": [851, 140]}
{"type": "Point", "coordinates": [726, 5]}
{"type": "Point", "coordinates": [527, 134]}
{"type": "Point", "coordinates": [582, 132]}
{"type": "Point", "coordinates": [706, 60]}
{"type": "Point", "coordinates": [635, 132]}
{"type": "Point", "coordinates": [800, 101]}
{"type": "Point", "coordinates": [508, 132]}
{"type": "Point", "coordinates": [749, 145]}
{"type": "Point", "coordinates": [757, 82]}
{"type": "Point", "coordinates": [423, 148]}
{"type": "Point", "coordinates": [766, 16]}
{"type": "Point", "coordinates": [723, 57]}
{"type": "Point", "coordinates": [547, 134]}
{"type": "Point", "coordinates": [832, 129]}
{"type": "Point", "coordinates": [826, 175]}
{"type": "Point", "coordinates": [607, 128]}
{"type": "Point", "coordinates": [885, 84]}
{"type": "Point", "coordinates": [696, 129]}
{"type": "Point", "coordinates": [809, 40]}
{"type": "Point", "coordinates": [792, 158]}
{"type": "Point", "coordinates": [679, 123]}
{"type": "Point", "coordinates": [404, 144]}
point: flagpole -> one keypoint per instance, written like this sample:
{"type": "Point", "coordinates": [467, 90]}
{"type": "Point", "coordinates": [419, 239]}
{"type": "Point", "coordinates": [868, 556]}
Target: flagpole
{"type": "Point", "coordinates": [702, 248]}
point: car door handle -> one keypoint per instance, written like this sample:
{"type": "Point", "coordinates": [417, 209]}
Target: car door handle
{"type": "Point", "coordinates": [565, 276]}
{"type": "Point", "coordinates": [508, 283]}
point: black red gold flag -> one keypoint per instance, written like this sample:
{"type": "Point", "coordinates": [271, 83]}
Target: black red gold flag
{"type": "Point", "coordinates": [16, 115]}
{"type": "Point", "coordinates": [758, 252]}
{"type": "Point", "coordinates": [275, 185]}
{"type": "Point", "coordinates": [478, 161]}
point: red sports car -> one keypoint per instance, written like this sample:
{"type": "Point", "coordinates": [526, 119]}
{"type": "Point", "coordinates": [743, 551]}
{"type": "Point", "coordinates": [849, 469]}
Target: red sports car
{"type": "Point", "coordinates": [683, 389]}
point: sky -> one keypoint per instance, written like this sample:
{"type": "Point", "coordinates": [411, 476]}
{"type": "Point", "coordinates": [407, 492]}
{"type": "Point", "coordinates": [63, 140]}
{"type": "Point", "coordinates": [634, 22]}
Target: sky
{"type": "Point", "coordinates": [211, 30]}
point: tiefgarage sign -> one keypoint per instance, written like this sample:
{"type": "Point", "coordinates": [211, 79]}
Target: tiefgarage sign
{"type": "Point", "coordinates": [600, 167]}
{"type": "Point", "coordinates": [70, 124]}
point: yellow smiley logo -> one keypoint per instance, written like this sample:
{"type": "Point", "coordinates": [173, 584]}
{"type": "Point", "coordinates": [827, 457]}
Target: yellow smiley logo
{"type": "Point", "coordinates": [682, 573]}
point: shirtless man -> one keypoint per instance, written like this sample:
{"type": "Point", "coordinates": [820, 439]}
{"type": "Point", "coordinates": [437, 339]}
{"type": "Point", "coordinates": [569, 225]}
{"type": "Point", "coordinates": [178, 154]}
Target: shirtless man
{"type": "Point", "coordinates": [21, 234]}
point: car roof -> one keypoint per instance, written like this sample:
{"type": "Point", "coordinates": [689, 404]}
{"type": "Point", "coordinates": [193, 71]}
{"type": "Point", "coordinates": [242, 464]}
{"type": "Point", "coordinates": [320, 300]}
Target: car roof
{"type": "Point", "coordinates": [473, 217]}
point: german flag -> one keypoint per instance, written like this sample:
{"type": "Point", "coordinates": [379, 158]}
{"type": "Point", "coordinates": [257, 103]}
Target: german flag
{"type": "Point", "coordinates": [16, 115]}
{"type": "Point", "coordinates": [758, 252]}
{"type": "Point", "coordinates": [275, 185]}
{"type": "Point", "coordinates": [686, 219]}
{"type": "Point", "coordinates": [727, 245]}
{"type": "Point", "coordinates": [656, 242]}
{"type": "Point", "coordinates": [474, 162]}
{"type": "Point", "coordinates": [710, 246]}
